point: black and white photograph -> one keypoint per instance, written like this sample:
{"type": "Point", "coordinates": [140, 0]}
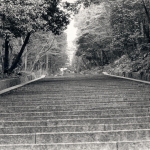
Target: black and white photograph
{"type": "Point", "coordinates": [74, 74]}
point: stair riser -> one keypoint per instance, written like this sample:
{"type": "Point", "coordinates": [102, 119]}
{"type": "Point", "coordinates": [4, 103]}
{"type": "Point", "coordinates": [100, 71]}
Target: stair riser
{"type": "Point", "coordinates": [77, 122]}
{"type": "Point", "coordinates": [50, 117]}
{"type": "Point", "coordinates": [84, 97]}
{"type": "Point", "coordinates": [108, 112]}
{"type": "Point", "coordinates": [96, 146]}
{"type": "Point", "coordinates": [76, 104]}
{"type": "Point", "coordinates": [141, 145]}
{"type": "Point", "coordinates": [76, 137]}
{"type": "Point", "coordinates": [103, 146]}
{"type": "Point", "coordinates": [67, 108]}
{"type": "Point", "coordinates": [85, 128]}
{"type": "Point", "coordinates": [94, 137]}
{"type": "Point", "coordinates": [69, 101]}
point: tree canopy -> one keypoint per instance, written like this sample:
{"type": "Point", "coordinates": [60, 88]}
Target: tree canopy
{"type": "Point", "coordinates": [21, 18]}
{"type": "Point", "coordinates": [114, 27]}
{"type": "Point", "coordinates": [43, 46]}
{"type": "Point", "coordinates": [93, 33]}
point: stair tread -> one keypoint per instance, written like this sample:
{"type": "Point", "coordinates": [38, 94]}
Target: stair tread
{"type": "Point", "coordinates": [95, 112]}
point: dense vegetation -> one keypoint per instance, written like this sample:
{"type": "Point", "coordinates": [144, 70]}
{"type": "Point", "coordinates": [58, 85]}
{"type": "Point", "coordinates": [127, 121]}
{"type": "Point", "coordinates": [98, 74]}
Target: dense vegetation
{"type": "Point", "coordinates": [29, 21]}
{"type": "Point", "coordinates": [109, 29]}
{"type": "Point", "coordinates": [46, 52]}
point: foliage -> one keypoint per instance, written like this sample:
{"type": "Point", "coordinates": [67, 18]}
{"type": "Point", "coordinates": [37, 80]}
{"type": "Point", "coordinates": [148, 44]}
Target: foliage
{"type": "Point", "coordinates": [43, 45]}
{"type": "Point", "coordinates": [21, 18]}
{"type": "Point", "coordinates": [114, 27]}
{"type": "Point", "coordinates": [93, 34]}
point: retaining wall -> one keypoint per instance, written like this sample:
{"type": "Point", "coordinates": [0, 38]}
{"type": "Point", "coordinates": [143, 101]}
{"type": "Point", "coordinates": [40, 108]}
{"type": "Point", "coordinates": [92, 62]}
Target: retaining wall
{"type": "Point", "coordinates": [15, 81]}
{"type": "Point", "coordinates": [134, 75]}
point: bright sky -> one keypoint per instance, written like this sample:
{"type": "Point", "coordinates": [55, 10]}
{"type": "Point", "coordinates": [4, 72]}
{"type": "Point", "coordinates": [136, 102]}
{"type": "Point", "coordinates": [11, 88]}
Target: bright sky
{"type": "Point", "coordinates": [71, 35]}
{"type": "Point", "coordinates": [71, 1]}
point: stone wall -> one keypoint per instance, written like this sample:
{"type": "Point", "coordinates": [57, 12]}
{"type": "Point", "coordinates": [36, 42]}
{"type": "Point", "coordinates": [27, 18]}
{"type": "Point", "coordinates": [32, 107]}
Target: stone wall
{"type": "Point", "coordinates": [15, 81]}
{"type": "Point", "coordinates": [134, 75]}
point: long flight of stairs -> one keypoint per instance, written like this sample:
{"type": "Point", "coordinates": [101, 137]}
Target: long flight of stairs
{"type": "Point", "coordinates": [84, 113]}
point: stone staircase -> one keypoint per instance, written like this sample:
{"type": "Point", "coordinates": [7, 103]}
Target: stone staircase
{"type": "Point", "coordinates": [82, 113]}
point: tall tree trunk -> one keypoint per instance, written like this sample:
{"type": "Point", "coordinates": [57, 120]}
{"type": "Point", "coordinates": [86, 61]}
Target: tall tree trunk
{"type": "Point", "coordinates": [47, 58]}
{"type": "Point", "coordinates": [84, 63]}
{"type": "Point", "coordinates": [24, 56]}
{"type": "Point", "coordinates": [79, 63]}
{"type": "Point", "coordinates": [25, 60]}
{"type": "Point", "coordinates": [14, 65]}
{"type": "Point", "coordinates": [34, 63]}
{"type": "Point", "coordinates": [102, 60]}
{"type": "Point", "coordinates": [146, 11]}
{"type": "Point", "coordinates": [141, 29]}
{"type": "Point", "coordinates": [146, 32]}
{"type": "Point", "coordinates": [6, 57]}
{"type": "Point", "coordinates": [50, 72]}
{"type": "Point", "coordinates": [148, 18]}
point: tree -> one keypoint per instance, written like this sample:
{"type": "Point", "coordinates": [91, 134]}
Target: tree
{"type": "Point", "coordinates": [22, 18]}
{"type": "Point", "coordinates": [113, 28]}
{"type": "Point", "coordinates": [94, 33]}
{"type": "Point", "coordinates": [43, 47]}
{"type": "Point", "coordinates": [130, 25]}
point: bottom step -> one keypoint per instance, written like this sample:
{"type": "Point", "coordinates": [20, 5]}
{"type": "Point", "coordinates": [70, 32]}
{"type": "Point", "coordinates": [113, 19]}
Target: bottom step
{"type": "Point", "coordinates": [139, 145]}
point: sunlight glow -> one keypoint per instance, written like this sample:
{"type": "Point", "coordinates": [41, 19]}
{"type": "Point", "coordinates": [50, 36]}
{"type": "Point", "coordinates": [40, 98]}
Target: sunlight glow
{"type": "Point", "coordinates": [71, 36]}
{"type": "Point", "coordinates": [70, 1]}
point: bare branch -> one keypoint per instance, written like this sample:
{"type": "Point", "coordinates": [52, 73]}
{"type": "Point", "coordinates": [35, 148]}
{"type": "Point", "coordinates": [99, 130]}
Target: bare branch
{"type": "Point", "coordinates": [41, 51]}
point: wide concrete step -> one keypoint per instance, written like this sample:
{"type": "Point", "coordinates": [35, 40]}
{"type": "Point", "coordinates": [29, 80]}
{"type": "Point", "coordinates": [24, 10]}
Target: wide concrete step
{"type": "Point", "coordinates": [136, 145]}
{"type": "Point", "coordinates": [61, 146]}
{"type": "Point", "coordinates": [73, 128]}
{"type": "Point", "coordinates": [101, 136]}
{"type": "Point", "coordinates": [75, 106]}
{"type": "Point", "coordinates": [67, 101]}
{"type": "Point", "coordinates": [73, 88]}
{"type": "Point", "coordinates": [93, 113]}
{"type": "Point", "coordinates": [67, 108]}
{"type": "Point", "coordinates": [102, 112]}
{"type": "Point", "coordinates": [90, 95]}
{"type": "Point", "coordinates": [76, 137]}
{"type": "Point", "coordinates": [83, 121]}
{"type": "Point", "coordinates": [92, 87]}
{"type": "Point", "coordinates": [74, 103]}
{"type": "Point", "coordinates": [50, 117]}
{"type": "Point", "coordinates": [99, 92]}
{"type": "Point", "coordinates": [82, 89]}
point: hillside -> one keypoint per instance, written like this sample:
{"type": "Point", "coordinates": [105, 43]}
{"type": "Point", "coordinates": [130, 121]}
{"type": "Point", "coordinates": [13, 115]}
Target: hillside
{"type": "Point", "coordinates": [125, 64]}
{"type": "Point", "coordinates": [114, 35]}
